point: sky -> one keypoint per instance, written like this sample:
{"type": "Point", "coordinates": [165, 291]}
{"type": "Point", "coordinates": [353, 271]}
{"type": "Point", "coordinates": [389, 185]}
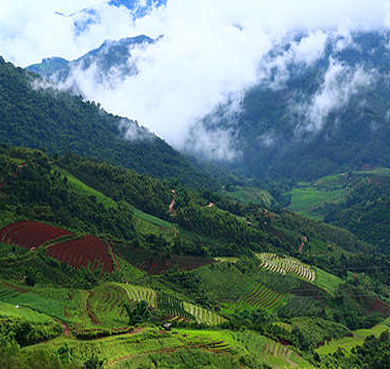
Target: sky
{"type": "Point", "coordinates": [211, 53]}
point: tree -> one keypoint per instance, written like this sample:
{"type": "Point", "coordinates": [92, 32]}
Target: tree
{"type": "Point", "coordinates": [139, 314]}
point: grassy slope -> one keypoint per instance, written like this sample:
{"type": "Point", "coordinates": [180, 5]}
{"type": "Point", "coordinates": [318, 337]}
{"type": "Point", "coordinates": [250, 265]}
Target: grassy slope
{"type": "Point", "coordinates": [308, 197]}
{"type": "Point", "coordinates": [82, 188]}
{"type": "Point", "coordinates": [224, 282]}
{"type": "Point", "coordinates": [144, 223]}
{"type": "Point", "coordinates": [327, 281]}
{"type": "Point", "coordinates": [347, 343]}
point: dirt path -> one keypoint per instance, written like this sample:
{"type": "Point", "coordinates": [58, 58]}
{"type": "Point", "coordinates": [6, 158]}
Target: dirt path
{"type": "Point", "coordinates": [113, 256]}
{"type": "Point", "coordinates": [171, 207]}
{"type": "Point", "coordinates": [91, 314]}
{"type": "Point", "coordinates": [304, 241]}
{"type": "Point", "coordinates": [66, 329]}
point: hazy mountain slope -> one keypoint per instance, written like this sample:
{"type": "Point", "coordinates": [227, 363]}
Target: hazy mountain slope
{"type": "Point", "coordinates": [309, 119]}
{"type": "Point", "coordinates": [35, 117]}
{"type": "Point", "coordinates": [314, 110]}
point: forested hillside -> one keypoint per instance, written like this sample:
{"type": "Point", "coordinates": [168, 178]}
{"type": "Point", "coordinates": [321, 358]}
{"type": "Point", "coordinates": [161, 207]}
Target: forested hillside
{"type": "Point", "coordinates": [59, 122]}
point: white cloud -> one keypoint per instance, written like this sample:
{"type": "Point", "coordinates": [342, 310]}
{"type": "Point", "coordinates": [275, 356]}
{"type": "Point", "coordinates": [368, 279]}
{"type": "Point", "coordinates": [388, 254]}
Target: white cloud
{"type": "Point", "coordinates": [340, 83]}
{"type": "Point", "coordinates": [210, 50]}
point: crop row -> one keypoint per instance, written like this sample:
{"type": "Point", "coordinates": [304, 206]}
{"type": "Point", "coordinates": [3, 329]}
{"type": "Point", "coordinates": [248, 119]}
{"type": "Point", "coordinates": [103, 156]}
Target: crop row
{"type": "Point", "coordinates": [106, 306]}
{"type": "Point", "coordinates": [83, 252]}
{"type": "Point", "coordinates": [202, 315]}
{"type": "Point", "coordinates": [138, 293]}
{"type": "Point", "coordinates": [30, 234]}
{"type": "Point", "coordinates": [172, 306]}
{"type": "Point", "coordinates": [282, 265]}
{"type": "Point", "coordinates": [263, 297]}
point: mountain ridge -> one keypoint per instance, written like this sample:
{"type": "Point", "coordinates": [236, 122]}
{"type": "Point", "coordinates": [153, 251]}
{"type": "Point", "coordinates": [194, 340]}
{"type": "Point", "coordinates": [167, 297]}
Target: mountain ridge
{"type": "Point", "coordinates": [43, 117]}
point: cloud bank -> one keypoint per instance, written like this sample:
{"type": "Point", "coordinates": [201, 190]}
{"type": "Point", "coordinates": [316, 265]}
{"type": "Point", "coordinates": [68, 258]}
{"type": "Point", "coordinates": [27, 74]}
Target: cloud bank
{"type": "Point", "coordinates": [340, 83]}
{"type": "Point", "coordinates": [211, 51]}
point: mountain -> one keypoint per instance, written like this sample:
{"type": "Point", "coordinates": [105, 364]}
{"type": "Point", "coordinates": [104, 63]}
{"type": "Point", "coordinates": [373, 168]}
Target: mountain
{"type": "Point", "coordinates": [314, 115]}
{"type": "Point", "coordinates": [111, 60]}
{"type": "Point", "coordinates": [315, 111]}
{"type": "Point", "coordinates": [35, 116]}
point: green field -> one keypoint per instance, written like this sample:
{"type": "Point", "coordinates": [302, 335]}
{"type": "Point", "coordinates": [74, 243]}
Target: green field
{"type": "Point", "coordinates": [225, 282]}
{"type": "Point", "coordinates": [252, 195]}
{"type": "Point", "coordinates": [327, 281]}
{"type": "Point", "coordinates": [23, 313]}
{"type": "Point", "coordinates": [42, 303]}
{"type": "Point", "coordinates": [226, 259]}
{"type": "Point", "coordinates": [305, 200]}
{"type": "Point", "coordinates": [348, 343]}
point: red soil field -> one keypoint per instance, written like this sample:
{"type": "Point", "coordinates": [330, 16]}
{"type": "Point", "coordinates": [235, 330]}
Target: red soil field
{"type": "Point", "coordinates": [30, 234]}
{"type": "Point", "coordinates": [82, 252]}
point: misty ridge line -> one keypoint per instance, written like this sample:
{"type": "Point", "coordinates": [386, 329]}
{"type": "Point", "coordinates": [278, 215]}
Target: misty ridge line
{"type": "Point", "coordinates": [340, 82]}
{"type": "Point", "coordinates": [212, 54]}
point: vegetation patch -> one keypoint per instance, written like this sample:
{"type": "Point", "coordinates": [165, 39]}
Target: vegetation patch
{"type": "Point", "coordinates": [153, 262]}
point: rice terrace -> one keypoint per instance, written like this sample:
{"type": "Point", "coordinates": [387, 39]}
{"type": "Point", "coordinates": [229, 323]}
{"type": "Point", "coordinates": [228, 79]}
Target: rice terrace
{"type": "Point", "coordinates": [283, 265]}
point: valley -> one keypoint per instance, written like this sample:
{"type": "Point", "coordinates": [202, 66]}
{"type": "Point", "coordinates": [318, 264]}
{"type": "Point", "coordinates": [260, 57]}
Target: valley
{"type": "Point", "coordinates": [251, 231]}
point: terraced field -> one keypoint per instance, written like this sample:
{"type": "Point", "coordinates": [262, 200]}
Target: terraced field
{"type": "Point", "coordinates": [26, 298]}
{"type": "Point", "coordinates": [283, 265]}
{"type": "Point", "coordinates": [202, 315]}
{"type": "Point", "coordinates": [262, 297]}
{"type": "Point", "coordinates": [138, 293]}
{"type": "Point", "coordinates": [269, 352]}
{"type": "Point", "coordinates": [172, 306]}
{"type": "Point", "coordinates": [106, 306]}
{"type": "Point", "coordinates": [138, 346]}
